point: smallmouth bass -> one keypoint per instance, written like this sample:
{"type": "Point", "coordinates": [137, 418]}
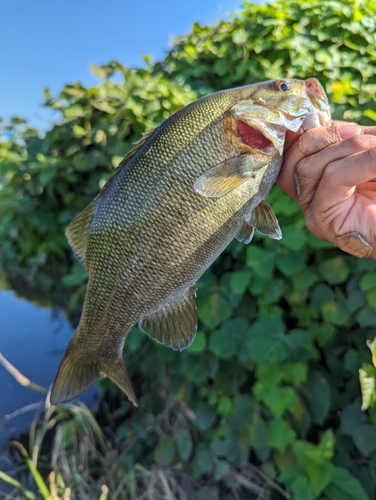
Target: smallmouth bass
{"type": "Point", "coordinates": [170, 208]}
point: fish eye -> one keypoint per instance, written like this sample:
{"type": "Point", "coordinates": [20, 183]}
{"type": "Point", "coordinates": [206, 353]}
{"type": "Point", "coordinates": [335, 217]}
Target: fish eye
{"type": "Point", "coordinates": [283, 86]}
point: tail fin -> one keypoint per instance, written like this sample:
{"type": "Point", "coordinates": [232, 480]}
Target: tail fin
{"type": "Point", "coordinates": [77, 373]}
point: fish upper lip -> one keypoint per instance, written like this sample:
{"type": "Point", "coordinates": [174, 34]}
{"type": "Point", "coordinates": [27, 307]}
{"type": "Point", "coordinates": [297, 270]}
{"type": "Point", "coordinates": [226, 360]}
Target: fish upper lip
{"type": "Point", "coordinates": [293, 117]}
{"type": "Point", "coordinates": [286, 114]}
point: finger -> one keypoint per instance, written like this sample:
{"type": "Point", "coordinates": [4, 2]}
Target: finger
{"type": "Point", "coordinates": [327, 164]}
{"type": "Point", "coordinates": [333, 199]}
{"type": "Point", "coordinates": [291, 138]}
{"type": "Point", "coordinates": [311, 142]}
{"type": "Point", "coordinates": [369, 130]}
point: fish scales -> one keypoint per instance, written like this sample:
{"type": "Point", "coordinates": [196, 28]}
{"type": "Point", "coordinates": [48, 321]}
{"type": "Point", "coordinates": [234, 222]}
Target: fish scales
{"type": "Point", "coordinates": [166, 214]}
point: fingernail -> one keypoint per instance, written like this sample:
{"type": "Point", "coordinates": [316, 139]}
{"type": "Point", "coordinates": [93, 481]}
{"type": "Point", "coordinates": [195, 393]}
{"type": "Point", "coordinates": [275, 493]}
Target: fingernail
{"type": "Point", "coordinates": [347, 130]}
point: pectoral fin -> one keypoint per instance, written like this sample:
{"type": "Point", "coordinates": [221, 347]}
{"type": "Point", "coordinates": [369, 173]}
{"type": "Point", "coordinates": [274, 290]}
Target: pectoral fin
{"type": "Point", "coordinates": [228, 175]}
{"type": "Point", "coordinates": [265, 222]}
{"type": "Point", "coordinates": [78, 231]}
{"type": "Point", "coordinates": [174, 325]}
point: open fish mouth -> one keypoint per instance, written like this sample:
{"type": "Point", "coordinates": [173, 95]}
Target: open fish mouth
{"type": "Point", "coordinates": [254, 138]}
{"type": "Point", "coordinates": [268, 136]}
{"type": "Point", "coordinates": [263, 127]}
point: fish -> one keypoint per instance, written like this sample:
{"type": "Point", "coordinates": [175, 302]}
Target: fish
{"type": "Point", "coordinates": [174, 203]}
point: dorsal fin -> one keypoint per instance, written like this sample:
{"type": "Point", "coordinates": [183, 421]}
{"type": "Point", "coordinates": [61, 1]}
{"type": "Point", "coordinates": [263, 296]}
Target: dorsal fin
{"type": "Point", "coordinates": [136, 147]}
{"type": "Point", "coordinates": [78, 231]}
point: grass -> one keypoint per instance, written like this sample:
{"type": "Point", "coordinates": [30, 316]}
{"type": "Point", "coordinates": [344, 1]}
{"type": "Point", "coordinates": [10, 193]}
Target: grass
{"type": "Point", "coordinates": [70, 458]}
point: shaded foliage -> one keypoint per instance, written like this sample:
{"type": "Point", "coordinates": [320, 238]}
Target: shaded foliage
{"type": "Point", "coordinates": [272, 376]}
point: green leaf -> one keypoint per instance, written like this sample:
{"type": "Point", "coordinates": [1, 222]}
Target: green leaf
{"type": "Point", "coordinates": [222, 345]}
{"type": "Point", "coordinates": [364, 438]}
{"type": "Point", "coordinates": [290, 262]}
{"type": "Point", "coordinates": [76, 277]}
{"type": "Point", "coordinates": [316, 397]}
{"type": "Point", "coordinates": [73, 111]}
{"type": "Point", "coordinates": [221, 469]}
{"type": "Point", "coordinates": [334, 270]}
{"type": "Point", "coordinates": [351, 418]}
{"type": "Point", "coordinates": [213, 309]}
{"type": "Point", "coordinates": [371, 298]}
{"type": "Point", "coordinates": [304, 279]}
{"type": "Point", "coordinates": [199, 344]}
{"type": "Point", "coordinates": [314, 461]}
{"type": "Point", "coordinates": [164, 453]}
{"type": "Point", "coordinates": [266, 341]}
{"type": "Point", "coordinates": [231, 336]}
{"type": "Point", "coordinates": [278, 399]}
{"type": "Point", "coordinates": [344, 486]}
{"type": "Point", "coordinates": [205, 415]}
{"type": "Point", "coordinates": [321, 294]}
{"type": "Point", "coordinates": [296, 479]}
{"type": "Point", "coordinates": [335, 312]}
{"type": "Point", "coordinates": [280, 434]}
{"type": "Point", "coordinates": [366, 316]}
{"type": "Point", "coordinates": [299, 343]}
{"type": "Point", "coordinates": [293, 237]}
{"type": "Point", "coordinates": [239, 281]}
{"type": "Point", "coordinates": [202, 461]}
{"type": "Point", "coordinates": [208, 493]}
{"type": "Point", "coordinates": [184, 444]}
{"type": "Point", "coordinates": [260, 261]}
{"type": "Point", "coordinates": [368, 281]}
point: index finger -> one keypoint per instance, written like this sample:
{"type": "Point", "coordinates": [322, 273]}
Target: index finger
{"type": "Point", "coordinates": [311, 142]}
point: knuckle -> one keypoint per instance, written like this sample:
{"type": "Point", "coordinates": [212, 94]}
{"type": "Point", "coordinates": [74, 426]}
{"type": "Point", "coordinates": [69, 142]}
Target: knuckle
{"type": "Point", "coordinates": [370, 155]}
{"type": "Point", "coordinates": [329, 175]}
{"type": "Point", "coordinates": [311, 222]}
{"type": "Point", "coordinates": [313, 140]}
{"type": "Point", "coordinates": [362, 141]}
{"type": "Point", "coordinates": [303, 167]}
{"type": "Point", "coordinates": [315, 226]}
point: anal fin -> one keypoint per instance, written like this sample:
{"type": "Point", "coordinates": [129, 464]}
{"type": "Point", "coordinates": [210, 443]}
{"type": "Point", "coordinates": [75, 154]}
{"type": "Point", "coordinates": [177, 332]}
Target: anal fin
{"type": "Point", "coordinates": [265, 222]}
{"type": "Point", "coordinates": [174, 325]}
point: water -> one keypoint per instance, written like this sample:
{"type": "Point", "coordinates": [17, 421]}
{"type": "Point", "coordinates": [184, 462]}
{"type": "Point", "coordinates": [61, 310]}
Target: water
{"type": "Point", "coordinates": [33, 338]}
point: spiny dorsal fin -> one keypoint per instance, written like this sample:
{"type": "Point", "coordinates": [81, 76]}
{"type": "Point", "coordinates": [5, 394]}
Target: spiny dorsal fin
{"type": "Point", "coordinates": [78, 231]}
{"type": "Point", "coordinates": [228, 175]}
{"type": "Point", "coordinates": [246, 233]}
{"type": "Point", "coordinates": [136, 146]}
{"type": "Point", "coordinates": [265, 222]}
{"type": "Point", "coordinates": [174, 325]}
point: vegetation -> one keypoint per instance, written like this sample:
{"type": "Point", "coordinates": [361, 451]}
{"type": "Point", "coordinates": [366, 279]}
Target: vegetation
{"type": "Point", "coordinates": [271, 382]}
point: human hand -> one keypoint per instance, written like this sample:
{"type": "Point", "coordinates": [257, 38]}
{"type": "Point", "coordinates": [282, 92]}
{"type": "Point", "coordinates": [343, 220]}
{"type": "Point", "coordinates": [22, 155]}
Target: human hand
{"type": "Point", "coordinates": [331, 172]}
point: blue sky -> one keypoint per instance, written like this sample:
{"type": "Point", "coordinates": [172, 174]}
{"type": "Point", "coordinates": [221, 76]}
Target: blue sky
{"type": "Point", "coordinates": [46, 43]}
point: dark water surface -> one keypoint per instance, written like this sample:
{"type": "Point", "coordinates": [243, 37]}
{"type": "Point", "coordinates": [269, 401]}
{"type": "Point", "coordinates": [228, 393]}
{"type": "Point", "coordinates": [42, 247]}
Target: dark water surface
{"type": "Point", "coordinates": [33, 338]}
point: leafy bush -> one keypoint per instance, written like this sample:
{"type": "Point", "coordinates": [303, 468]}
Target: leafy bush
{"type": "Point", "coordinates": [272, 376]}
